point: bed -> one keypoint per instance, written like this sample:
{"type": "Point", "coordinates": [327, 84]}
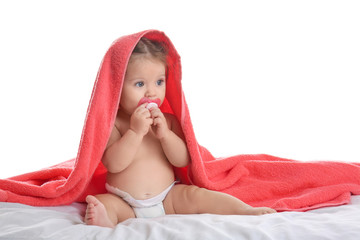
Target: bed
{"type": "Point", "coordinates": [19, 221]}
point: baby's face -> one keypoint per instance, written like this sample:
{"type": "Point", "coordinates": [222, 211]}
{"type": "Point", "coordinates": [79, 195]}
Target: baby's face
{"type": "Point", "coordinates": [144, 78]}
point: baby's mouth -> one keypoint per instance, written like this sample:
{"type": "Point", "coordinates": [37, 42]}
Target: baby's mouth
{"type": "Point", "coordinates": [157, 101]}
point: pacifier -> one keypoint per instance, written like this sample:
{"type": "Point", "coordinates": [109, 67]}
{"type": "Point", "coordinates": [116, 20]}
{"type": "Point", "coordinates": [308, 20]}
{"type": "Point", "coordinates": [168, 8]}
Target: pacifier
{"type": "Point", "coordinates": [151, 103]}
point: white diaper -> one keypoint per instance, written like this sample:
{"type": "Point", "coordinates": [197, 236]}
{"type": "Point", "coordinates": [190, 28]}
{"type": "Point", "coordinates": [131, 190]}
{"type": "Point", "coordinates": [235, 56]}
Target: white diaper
{"type": "Point", "coordinates": [148, 208]}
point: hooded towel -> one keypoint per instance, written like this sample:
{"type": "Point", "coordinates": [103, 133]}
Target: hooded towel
{"type": "Point", "coordinates": [259, 180]}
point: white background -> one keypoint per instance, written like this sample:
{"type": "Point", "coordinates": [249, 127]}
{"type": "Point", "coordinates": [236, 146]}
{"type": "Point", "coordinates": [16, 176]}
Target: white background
{"type": "Point", "coordinates": [275, 77]}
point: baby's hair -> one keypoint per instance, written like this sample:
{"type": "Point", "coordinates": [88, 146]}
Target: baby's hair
{"type": "Point", "coordinates": [148, 48]}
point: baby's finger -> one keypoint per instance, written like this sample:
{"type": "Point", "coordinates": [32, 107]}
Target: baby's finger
{"type": "Point", "coordinates": [141, 107]}
{"type": "Point", "coordinates": [150, 121]}
{"type": "Point", "coordinates": [156, 112]}
{"type": "Point", "coordinates": [142, 111]}
{"type": "Point", "coordinates": [157, 121]}
{"type": "Point", "coordinates": [139, 110]}
{"type": "Point", "coordinates": [146, 114]}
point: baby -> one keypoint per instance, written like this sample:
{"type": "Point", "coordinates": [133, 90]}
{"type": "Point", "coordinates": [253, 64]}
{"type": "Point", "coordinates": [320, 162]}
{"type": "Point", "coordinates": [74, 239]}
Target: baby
{"type": "Point", "coordinates": [143, 147]}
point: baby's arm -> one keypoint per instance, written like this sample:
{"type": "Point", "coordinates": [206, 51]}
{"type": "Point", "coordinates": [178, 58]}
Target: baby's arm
{"type": "Point", "coordinates": [120, 154]}
{"type": "Point", "coordinates": [171, 139]}
{"type": "Point", "coordinates": [121, 150]}
{"type": "Point", "coordinates": [174, 146]}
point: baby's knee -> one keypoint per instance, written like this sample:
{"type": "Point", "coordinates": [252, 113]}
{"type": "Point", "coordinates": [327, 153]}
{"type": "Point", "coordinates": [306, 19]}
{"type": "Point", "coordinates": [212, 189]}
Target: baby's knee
{"type": "Point", "coordinates": [194, 193]}
{"type": "Point", "coordinates": [187, 199]}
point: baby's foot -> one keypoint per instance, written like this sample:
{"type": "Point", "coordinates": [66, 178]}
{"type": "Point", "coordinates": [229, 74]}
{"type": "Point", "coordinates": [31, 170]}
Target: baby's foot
{"type": "Point", "coordinates": [96, 213]}
{"type": "Point", "coordinates": [260, 210]}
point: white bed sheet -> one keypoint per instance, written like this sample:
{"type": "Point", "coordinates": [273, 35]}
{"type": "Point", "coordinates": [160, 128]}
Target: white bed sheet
{"type": "Point", "coordinates": [18, 221]}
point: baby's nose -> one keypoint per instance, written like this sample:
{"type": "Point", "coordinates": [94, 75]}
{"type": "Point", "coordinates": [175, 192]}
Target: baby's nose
{"type": "Point", "coordinates": [150, 91]}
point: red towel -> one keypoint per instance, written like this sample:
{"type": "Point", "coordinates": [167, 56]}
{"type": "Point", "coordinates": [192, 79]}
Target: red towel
{"type": "Point", "coordinates": [259, 180]}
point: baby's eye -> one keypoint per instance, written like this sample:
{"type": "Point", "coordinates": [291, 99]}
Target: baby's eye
{"type": "Point", "coordinates": [139, 84]}
{"type": "Point", "coordinates": [160, 82]}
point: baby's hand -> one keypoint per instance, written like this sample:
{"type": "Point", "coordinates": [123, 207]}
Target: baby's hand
{"type": "Point", "coordinates": [141, 120]}
{"type": "Point", "coordinates": [159, 126]}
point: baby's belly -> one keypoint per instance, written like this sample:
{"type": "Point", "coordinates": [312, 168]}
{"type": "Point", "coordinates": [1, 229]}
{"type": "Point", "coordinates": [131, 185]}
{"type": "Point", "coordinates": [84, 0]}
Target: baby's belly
{"type": "Point", "coordinates": [143, 179]}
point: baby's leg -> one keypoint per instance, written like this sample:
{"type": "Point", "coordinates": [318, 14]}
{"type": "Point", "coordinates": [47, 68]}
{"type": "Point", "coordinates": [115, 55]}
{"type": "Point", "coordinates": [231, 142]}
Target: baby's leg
{"type": "Point", "coordinates": [183, 199]}
{"type": "Point", "coordinates": [107, 210]}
